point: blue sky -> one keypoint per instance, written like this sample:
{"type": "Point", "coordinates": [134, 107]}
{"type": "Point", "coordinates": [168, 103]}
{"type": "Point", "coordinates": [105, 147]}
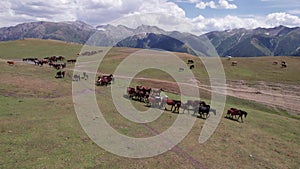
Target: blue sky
{"type": "Point", "coordinates": [194, 16]}
{"type": "Point", "coordinates": [244, 8]}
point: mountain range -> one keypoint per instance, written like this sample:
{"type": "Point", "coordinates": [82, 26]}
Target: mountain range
{"type": "Point", "coordinates": [277, 41]}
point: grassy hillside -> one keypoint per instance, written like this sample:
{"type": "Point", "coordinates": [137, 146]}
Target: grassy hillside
{"type": "Point", "coordinates": [37, 48]}
{"type": "Point", "coordinates": [39, 127]}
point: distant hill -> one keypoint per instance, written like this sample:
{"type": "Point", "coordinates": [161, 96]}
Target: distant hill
{"type": "Point", "coordinates": [278, 41]}
{"type": "Point", "coordinates": [77, 32]}
{"type": "Point", "coordinates": [155, 41]}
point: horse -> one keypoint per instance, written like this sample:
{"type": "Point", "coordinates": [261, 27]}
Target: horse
{"type": "Point", "coordinates": [61, 58]}
{"type": "Point", "coordinates": [105, 80]}
{"type": "Point", "coordinates": [236, 112]}
{"type": "Point", "coordinates": [283, 65]}
{"type": "Point", "coordinates": [60, 74]}
{"type": "Point", "coordinates": [76, 78]}
{"type": "Point", "coordinates": [131, 92]}
{"type": "Point", "coordinates": [155, 101]}
{"type": "Point", "coordinates": [71, 61]}
{"type": "Point", "coordinates": [85, 76]}
{"type": "Point", "coordinates": [192, 67]}
{"type": "Point", "coordinates": [11, 62]}
{"type": "Point", "coordinates": [234, 63]}
{"type": "Point", "coordinates": [156, 92]}
{"type": "Point", "coordinates": [143, 93]}
{"type": "Point", "coordinates": [176, 104]}
{"type": "Point", "coordinates": [190, 61]}
{"type": "Point", "coordinates": [194, 104]}
{"type": "Point", "coordinates": [204, 109]}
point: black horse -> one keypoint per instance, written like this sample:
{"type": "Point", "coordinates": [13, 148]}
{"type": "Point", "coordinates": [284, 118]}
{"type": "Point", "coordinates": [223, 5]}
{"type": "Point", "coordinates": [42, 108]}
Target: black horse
{"type": "Point", "coordinates": [204, 110]}
{"type": "Point", "coordinates": [60, 74]}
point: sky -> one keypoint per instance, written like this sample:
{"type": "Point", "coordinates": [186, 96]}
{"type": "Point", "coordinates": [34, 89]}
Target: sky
{"type": "Point", "coordinates": [194, 16]}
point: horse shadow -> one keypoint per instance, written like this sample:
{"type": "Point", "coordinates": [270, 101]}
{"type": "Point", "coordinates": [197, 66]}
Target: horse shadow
{"type": "Point", "coordinates": [232, 119]}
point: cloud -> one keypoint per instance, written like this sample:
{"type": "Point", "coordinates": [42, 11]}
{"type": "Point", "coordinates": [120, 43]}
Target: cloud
{"type": "Point", "coordinates": [162, 13]}
{"type": "Point", "coordinates": [222, 4]}
{"type": "Point", "coordinates": [276, 19]}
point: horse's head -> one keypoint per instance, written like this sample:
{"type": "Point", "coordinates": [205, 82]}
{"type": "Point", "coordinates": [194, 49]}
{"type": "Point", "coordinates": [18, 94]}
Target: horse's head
{"type": "Point", "coordinates": [243, 113]}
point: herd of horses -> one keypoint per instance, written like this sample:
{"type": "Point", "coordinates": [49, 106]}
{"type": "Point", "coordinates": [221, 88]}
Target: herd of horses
{"type": "Point", "coordinates": [152, 98]}
{"type": "Point", "coordinates": [52, 61]}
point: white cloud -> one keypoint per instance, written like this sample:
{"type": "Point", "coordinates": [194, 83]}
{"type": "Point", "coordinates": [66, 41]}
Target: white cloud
{"type": "Point", "coordinates": [282, 18]}
{"type": "Point", "coordinates": [203, 5]}
{"type": "Point", "coordinates": [161, 13]}
{"type": "Point", "coordinates": [222, 4]}
{"type": "Point", "coordinates": [226, 5]}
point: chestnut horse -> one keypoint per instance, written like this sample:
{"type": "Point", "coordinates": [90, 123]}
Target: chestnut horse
{"type": "Point", "coordinates": [176, 104]}
{"type": "Point", "coordinates": [236, 112]}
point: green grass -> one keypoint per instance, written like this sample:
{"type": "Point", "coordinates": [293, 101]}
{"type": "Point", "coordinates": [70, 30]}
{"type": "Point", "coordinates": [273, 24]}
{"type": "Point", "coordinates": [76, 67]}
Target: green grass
{"type": "Point", "coordinates": [37, 48]}
{"type": "Point", "coordinates": [39, 127]}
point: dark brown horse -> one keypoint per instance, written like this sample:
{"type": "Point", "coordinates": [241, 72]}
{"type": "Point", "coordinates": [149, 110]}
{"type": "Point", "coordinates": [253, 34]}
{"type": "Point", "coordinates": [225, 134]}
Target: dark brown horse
{"type": "Point", "coordinates": [131, 92]}
{"type": "Point", "coordinates": [233, 112]}
{"type": "Point", "coordinates": [104, 80]}
{"type": "Point", "coordinates": [60, 74]}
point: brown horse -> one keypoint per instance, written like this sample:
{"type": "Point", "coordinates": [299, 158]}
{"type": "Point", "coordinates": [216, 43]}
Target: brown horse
{"type": "Point", "coordinates": [143, 93]}
{"type": "Point", "coordinates": [176, 104]}
{"type": "Point", "coordinates": [131, 92]}
{"type": "Point", "coordinates": [234, 63]}
{"type": "Point", "coordinates": [104, 80]}
{"type": "Point", "coordinates": [233, 112]}
{"type": "Point", "coordinates": [11, 62]}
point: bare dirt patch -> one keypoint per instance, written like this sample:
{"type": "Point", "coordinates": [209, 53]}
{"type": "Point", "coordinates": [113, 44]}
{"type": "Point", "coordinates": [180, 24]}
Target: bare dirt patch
{"type": "Point", "coordinates": [285, 96]}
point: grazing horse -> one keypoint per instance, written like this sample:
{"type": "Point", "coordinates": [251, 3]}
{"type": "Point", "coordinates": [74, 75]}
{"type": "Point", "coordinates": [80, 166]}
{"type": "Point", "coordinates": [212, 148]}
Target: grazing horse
{"type": "Point", "coordinates": [234, 63]}
{"type": "Point", "coordinates": [192, 67]}
{"type": "Point", "coordinates": [11, 62]}
{"type": "Point", "coordinates": [236, 112]}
